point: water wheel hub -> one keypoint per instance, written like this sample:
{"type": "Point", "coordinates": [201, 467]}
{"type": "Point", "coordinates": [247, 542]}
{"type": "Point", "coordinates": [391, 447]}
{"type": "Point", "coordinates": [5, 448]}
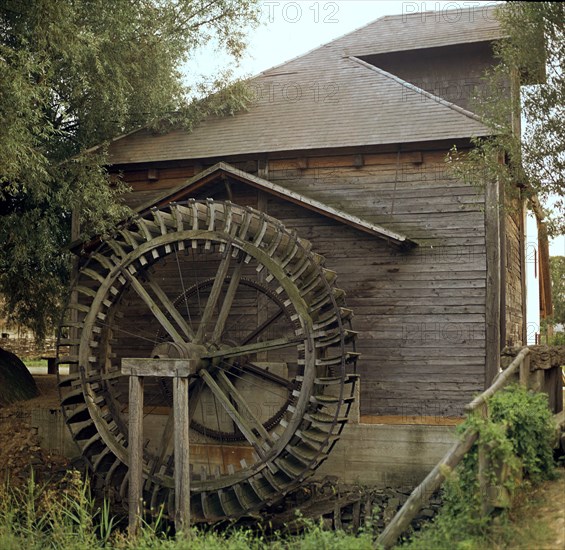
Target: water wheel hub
{"type": "Point", "coordinates": [183, 350]}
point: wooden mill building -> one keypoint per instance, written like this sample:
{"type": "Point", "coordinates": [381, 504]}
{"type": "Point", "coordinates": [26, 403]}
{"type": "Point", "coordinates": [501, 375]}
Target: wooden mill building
{"type": "Point", "coordinates": [347, 145]}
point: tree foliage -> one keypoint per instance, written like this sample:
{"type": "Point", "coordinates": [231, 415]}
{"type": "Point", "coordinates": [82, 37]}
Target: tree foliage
{"type": "Point", "coordinates": [557, 271]}
{"type": "Point", "coordinates": [536, 45]}
{"type": "Point", "coordinates": [533, 52]}
{"type": "Point", "coordinates": [73, 75]}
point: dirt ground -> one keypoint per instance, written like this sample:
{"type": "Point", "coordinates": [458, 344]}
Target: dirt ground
{"type": "Point", "coordinates": [538, 521]}
{"type": "Point", "coordinates": [19, 443]}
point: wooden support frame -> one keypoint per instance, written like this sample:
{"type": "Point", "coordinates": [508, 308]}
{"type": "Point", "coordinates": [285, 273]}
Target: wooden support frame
{"type": "Point", "coordinates": [135, 447]}
{"type": "Point", "coordinates": [178, 369]}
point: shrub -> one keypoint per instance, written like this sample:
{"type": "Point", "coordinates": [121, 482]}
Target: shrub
{"type": "Point", "coordinates": [519, 434]}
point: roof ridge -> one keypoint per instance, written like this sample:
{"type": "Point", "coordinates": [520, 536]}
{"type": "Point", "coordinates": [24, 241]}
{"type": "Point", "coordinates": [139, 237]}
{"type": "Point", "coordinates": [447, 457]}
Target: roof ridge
{"type": "Point", "coordinates": [418, 90]}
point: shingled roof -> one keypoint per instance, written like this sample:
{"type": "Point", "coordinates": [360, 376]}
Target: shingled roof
{"type": "Point", "coordinates": [329, 98]}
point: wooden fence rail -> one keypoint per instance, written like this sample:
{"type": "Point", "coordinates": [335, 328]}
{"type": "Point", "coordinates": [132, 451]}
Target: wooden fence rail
{"type": "Point", "coordinates": [433, 481]}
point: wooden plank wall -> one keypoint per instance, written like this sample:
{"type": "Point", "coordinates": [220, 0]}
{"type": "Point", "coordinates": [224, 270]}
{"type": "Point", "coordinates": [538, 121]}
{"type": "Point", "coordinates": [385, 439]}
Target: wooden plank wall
{"type": "Point", "coordinates": [420, 314]}
{"type": "Point", "coordinates": [514, 264]}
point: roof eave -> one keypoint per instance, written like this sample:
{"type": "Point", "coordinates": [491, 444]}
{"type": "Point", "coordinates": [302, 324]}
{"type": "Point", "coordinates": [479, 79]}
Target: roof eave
{"type": "Point", "coordinates": [202, 178]}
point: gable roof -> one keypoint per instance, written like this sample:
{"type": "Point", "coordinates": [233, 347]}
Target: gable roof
{"type": "Point", "coordinates": [222, 170]}
{"type": "Point", "coordinates": [466, 24]}
{"type": "Point", "coordinates": [327, 99]}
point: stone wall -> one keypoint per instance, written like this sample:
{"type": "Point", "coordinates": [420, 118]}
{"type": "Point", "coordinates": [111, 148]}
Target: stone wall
{"type": "Point", "coordinates": [25, 347]}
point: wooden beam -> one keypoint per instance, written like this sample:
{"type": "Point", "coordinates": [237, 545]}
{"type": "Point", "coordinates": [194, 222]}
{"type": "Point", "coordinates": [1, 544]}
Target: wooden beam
{"type": "Point", "coordinates": [525, 371]}
{"type": "Point", "coordinates": [169, 368]}
{"type": "Point", "coordinates": [504, 265]}
{"type": "Point", "coordinates": [523, 288]}
{"type": "Point", "coordinates": [135, 446]}
{"type": "Point", "coordinates": [263, 168]}
{"type": "Point", "coordinates": [182, 453]}
{"type": "Point", "coordinates": [492, 305]}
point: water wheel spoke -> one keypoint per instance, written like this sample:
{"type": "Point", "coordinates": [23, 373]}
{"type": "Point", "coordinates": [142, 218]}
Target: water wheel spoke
{"type": "Point", "coordinates": [263, 326]}
{"type": "Point", "coordinates": [227, 302]}
{"type": "Point", "coordinates": [265, 374]}
{"type": "Point", "coordinates": [256, 347]}
{"type": "Point", "coordinates": [238, 400]}
{"type": "Point", "coordinates": [170, 307]}
{"type": "Point", "coordinates": [243, 424]}
{"type": "Point", "coordinates": [221, 275]}
{"type": "Point", "coordinates": [154, 308]}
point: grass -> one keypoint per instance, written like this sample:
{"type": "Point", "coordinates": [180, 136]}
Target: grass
{"type": "Point", "coordinates": [65, 517]}
{"type": "Point", "coordinates": [35, 363]}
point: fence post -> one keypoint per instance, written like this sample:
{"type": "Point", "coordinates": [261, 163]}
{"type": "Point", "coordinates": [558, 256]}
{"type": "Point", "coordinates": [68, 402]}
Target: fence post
{"type": "Point", "coordinates": [484, 466]}
{"type": "Point", "coordinates": [182, 453]}
{"type": "Point", "coordinates": [525, 371]}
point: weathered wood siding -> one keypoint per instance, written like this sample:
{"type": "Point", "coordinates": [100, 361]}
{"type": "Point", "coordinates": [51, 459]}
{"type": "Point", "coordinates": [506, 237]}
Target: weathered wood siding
{"type": "Point", "coordinates": [455, 73]}
{"type": "Point", "coordinates": [420, 314]}
{"type": "Point", "coordinates": [514, 277]}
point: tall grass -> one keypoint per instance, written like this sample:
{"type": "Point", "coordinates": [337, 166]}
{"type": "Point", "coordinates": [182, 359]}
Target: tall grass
{"type": "Point", "coordinates": [66, 517]}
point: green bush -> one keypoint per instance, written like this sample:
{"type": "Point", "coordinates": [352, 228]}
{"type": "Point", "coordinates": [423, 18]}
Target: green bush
{"type": "Point", "coordinates": [530, 428]}
{"type": "Point", "coordinates": [519, 434]}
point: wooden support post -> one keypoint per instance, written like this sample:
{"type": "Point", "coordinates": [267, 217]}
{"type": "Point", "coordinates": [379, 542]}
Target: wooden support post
{"type": "Point", "coordinates": [135, 444]}
{"type": "Point", "coordinates": [525, 372]}
{"type": "Point", "coordinates": [182, 454]}
{"type": "Point", "coordinates": [179, 370]}
{"type": "Point", "coordinates": [492, 235]}
{"type": "Point", "coordinates": [52, 366]}
{"type": "Point", "coordinates": [483, 468]}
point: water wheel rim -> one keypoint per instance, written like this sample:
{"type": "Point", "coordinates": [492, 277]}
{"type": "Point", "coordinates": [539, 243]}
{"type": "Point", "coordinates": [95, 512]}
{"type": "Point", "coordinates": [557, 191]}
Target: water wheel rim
{"type": "Point", "coordinates": [116, 272]}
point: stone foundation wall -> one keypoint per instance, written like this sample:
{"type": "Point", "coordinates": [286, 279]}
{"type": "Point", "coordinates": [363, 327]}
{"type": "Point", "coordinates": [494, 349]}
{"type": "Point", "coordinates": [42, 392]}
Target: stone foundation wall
{"type": "Point", "coordinates": [25, 347]}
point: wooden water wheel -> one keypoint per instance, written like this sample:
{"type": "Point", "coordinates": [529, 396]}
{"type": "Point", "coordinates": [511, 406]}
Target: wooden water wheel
{"type": "Point", "coordinates": [232, 287]}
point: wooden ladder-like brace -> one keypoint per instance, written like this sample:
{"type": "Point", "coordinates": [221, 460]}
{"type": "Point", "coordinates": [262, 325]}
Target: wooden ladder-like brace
{"type": "Point", "coordinates": [178, 369]}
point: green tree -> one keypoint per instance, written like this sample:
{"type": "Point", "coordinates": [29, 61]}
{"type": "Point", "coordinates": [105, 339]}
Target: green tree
{"type": "Point", "coordinates": [557, 270]}
{"type": "Point", "coordinates": [532, 53]}
{"type": "Point", "coordinates": [535, 46]}
{"type": "Point", "coordinates": [73, 75]}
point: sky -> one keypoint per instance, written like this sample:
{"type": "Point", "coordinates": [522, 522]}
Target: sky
{"type": "Point", "coordinates": [292, 28]}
